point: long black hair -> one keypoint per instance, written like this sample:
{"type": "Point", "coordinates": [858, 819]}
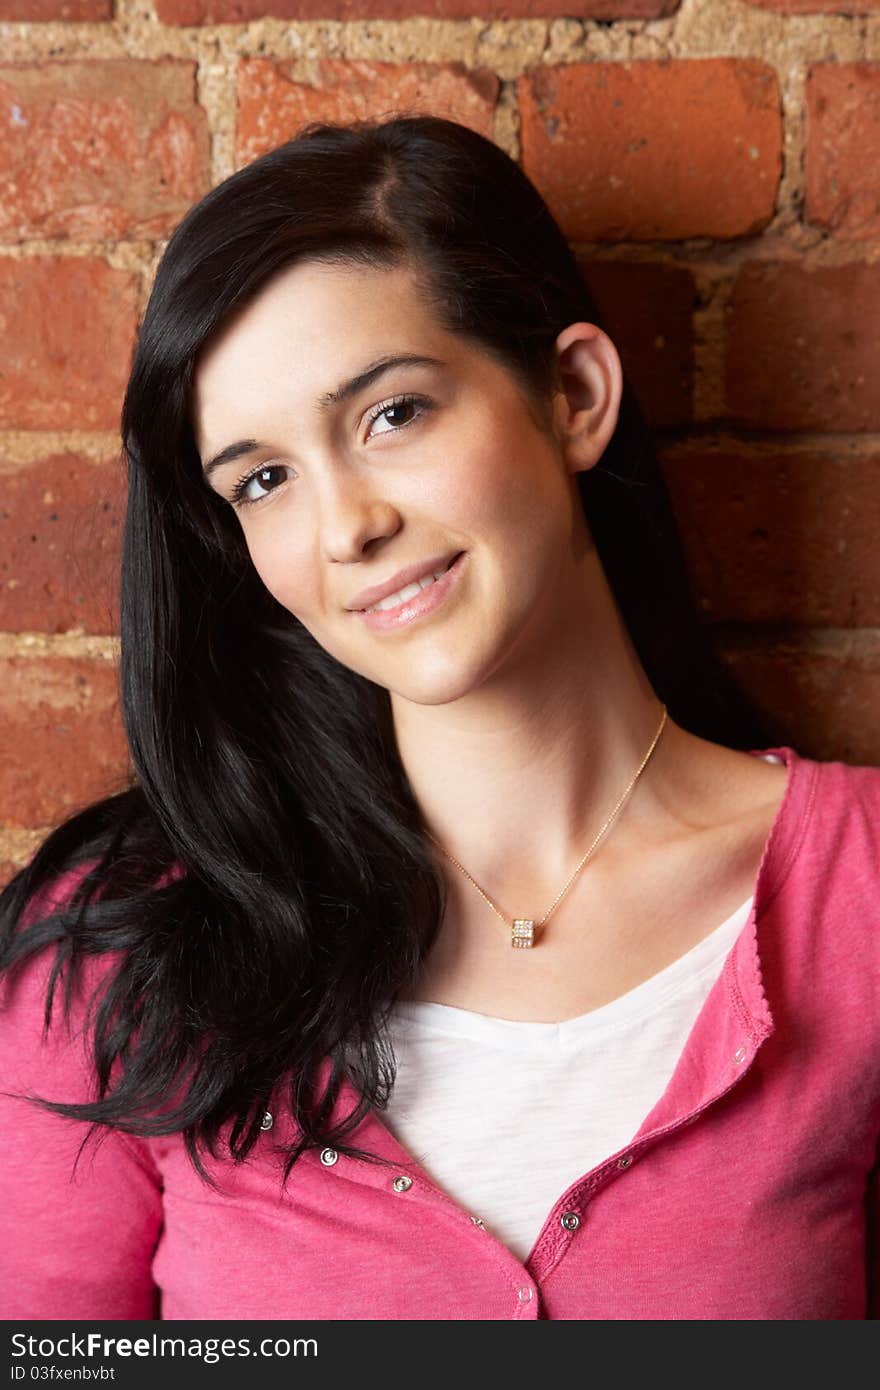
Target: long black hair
{"type": "Point", "coordinates": [262, 887]}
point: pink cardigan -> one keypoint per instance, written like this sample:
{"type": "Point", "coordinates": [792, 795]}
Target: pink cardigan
{"type": "Point", "coordinates": [749, 1192]}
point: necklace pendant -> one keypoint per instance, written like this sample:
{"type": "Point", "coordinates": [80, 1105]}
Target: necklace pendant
{"type": "Point", "coordinates": [523, 932]}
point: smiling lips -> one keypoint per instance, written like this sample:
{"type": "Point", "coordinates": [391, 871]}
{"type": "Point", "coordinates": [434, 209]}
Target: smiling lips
{"type": "Point", "coordinates": [403, 585]}
{"type": "Point", "coordinates": [408, 591]}
{"type": "Point", "coordinates": [406, 605]}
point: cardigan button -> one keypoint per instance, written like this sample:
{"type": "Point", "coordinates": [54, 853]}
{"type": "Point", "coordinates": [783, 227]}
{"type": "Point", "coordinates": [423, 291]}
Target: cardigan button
{"type": "Point", "coordinates": [570, 1220]}
{"type": "Point", "coordinates": [625, 1161]}
{"type": "Point", "coordinates": [525, 1294]}
{"type": "Point", "coordinates": [402, 1184]}
{"type": "Point", "coordinates": [739, 1055]}
{"type": "Point", "coordinates": [328, 1156]}
{"type": "Point", "coordinates": [267, 1121]}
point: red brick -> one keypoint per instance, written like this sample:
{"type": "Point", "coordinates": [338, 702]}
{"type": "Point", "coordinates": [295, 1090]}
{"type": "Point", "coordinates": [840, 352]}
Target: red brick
{"type": "Point", "coordinates": [843, 148]}
{"type": "Point", "coordinates": [818, 6]}
{"type": "Point", "coordinates": [650, 150]}
{"type": "Point", "coordinates": [272, 105]}
{"type": "Point", "coordinates": [63, 743]}
{"type": "Point", "coordinates": [100, 149]}
{"type": "Point", "coordinates": [802, 349]}
{"type": "Point", "coordinates": [17, 849]}
{"type": "Point", "coordinates": [780, 537]}
{"type": "Point", "coordinates": [823, 693]}
{"type": "Point", "coordinates": [240, 11]}
{"type": "Point", "coordinates": [7, 871]}
{"type": "Point", "coordinates": [67, 333]}
{"type": "Point", "coordinates": [56, 9]}
{"type": "Point", "coordinates": [60, 537]}
{"type": "Point", "coordinates": [647, 310]}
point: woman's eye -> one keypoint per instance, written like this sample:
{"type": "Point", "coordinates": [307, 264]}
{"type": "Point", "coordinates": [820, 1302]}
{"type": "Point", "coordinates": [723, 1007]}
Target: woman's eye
{"type": "Point", "coordinates": [399, 413]}
{"type": "Point", "coordinates": [241, 493]}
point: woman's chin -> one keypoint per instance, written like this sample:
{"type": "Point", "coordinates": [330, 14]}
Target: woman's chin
{"type": "Point", "coordinates": [433, 689]}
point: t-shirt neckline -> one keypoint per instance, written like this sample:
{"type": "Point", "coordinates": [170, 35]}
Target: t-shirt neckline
{"type": "Point", "coordinates": [777, 855]}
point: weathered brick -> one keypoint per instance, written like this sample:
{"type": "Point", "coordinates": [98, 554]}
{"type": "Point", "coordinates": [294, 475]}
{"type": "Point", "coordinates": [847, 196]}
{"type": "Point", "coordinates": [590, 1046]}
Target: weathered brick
{"type": "Point", "coordinates": [63, 742]}
{"type": "Point", "coordinates": [8, 870]}
{"type": "Point", "coordinates": [100, 149]}
{"type": "Point", "coordinates": [843, 148]}
{"type": "Point", "coordinates": [802, 349]}
{"type": "Point", "coordinates": [43, 10]}
{"type": "Point", "coordinates": [67, 333]}
{"type": "Point", "coordinates": [818, 6]}
{"type": "Point", "coordinates": [17, 848]}
{"type": "Point", "coordinates": [647, 310]}
{"type": "Point", "coordinates": [60, 535]}
{"type": "Point", "coordinates": [647, 150]}
{"type": "Point", "coordinates": [824, 691]}
{"type": "Point", "coordinates": [780, 537]}
{"type": "Point", "coordinates": [240, 11]}
{"type": "Point", "coordinates": [272, 105]}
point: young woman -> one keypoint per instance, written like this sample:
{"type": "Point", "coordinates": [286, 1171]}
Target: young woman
{"type": "Point", "coordinates": [460, 949]}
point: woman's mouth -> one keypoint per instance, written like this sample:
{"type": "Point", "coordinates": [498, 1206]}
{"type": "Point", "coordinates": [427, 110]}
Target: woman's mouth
{"type": "Point", "coordinates": [414, 600]}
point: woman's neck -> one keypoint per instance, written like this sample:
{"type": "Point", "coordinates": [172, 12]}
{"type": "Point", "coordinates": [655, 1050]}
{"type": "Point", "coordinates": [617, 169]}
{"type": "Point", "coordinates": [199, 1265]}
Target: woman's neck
{"type": "Point", "coordinates": [517, 776]}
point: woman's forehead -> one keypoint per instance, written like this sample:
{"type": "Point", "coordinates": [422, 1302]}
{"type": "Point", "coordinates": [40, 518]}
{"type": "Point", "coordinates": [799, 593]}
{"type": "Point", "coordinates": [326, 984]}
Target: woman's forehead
{"type": "Point", "coordinates": [310, 331]}
{"type": "Point", "coordinates": [317, 303]}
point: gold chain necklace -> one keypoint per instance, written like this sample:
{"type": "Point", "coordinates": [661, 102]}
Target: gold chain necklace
{"type": "Point", "coordinates": [523, 928]}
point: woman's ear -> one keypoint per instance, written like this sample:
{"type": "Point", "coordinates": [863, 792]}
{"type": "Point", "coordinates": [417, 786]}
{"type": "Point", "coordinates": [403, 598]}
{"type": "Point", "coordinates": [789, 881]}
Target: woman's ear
{"type": "Point", "coordinates": [587, 403]}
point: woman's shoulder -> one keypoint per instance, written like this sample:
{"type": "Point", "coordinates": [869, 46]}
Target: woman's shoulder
{"type": "Point", "coordinates": [43, 1006]}
{"type": "Point", "coordinates": [826, 857]}
{"type": "Point", "coordinates": [77, 1225]}
{"type": "Point", "coordinates": [845, 794]}
{"type": "Point", "coordinates": [47, 1041]}
{"type": "Point", "coordinates": [46, 1003]}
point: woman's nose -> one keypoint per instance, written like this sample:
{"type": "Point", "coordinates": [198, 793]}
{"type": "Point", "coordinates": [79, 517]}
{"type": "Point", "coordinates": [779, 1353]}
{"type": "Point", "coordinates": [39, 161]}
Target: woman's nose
{"type": "Point", "coordinates": [353, 515]}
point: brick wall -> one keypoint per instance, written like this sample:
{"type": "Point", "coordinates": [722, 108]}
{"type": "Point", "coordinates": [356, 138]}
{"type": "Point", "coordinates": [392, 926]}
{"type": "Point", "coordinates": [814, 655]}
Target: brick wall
{"type": "Point", "coordinates": [714, 162]}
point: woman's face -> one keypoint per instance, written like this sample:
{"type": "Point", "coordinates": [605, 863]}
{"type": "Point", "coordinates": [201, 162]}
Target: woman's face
{"type": "Point", "coordinates": [416, 464]}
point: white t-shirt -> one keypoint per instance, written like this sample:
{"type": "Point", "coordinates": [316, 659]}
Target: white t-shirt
{"type": "Point", "coordinates": [505, 1115]}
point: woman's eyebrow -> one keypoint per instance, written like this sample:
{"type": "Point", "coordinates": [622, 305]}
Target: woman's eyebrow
{"type": "Point", "coordinates": [343, 392]}
{"type": "Point", "coordinates": [230, 454]}
{"type": "Point", "coordinates": [357, 383]}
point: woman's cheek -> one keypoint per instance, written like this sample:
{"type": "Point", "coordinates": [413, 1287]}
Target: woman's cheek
{"type": "Point", "coordinates": [286, 575]}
